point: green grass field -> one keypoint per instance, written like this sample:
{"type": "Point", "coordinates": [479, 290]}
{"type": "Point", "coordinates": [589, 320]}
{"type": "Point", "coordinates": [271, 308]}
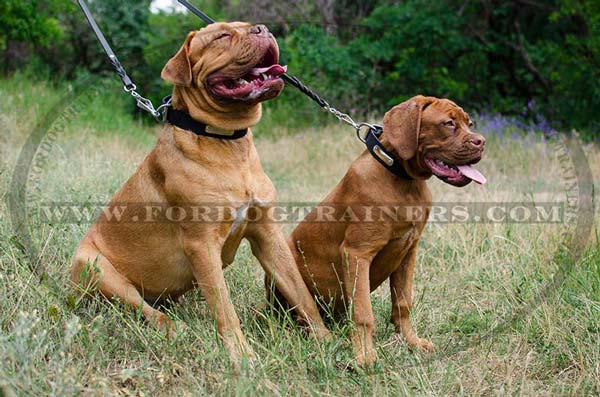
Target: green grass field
{"type": "Point", "coordinates": [477, 286]}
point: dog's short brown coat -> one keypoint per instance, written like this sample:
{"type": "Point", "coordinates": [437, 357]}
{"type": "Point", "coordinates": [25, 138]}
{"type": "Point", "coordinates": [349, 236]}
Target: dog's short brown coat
{"type": "Point", "coordinates": [139, 262]}
{"type": "Point", "coordinates": [341, 259]}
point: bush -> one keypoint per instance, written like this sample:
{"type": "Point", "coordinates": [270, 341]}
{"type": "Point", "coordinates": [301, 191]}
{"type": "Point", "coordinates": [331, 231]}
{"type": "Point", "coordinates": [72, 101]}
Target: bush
{"type": "Point", "coordinates": [363, 57]}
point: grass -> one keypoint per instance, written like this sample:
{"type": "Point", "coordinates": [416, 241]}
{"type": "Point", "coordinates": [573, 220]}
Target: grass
{"type": "Point", "coordinates": [476, 286]}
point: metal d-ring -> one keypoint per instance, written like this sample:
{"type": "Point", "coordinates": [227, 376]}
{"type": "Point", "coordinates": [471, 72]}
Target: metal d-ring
{"type": "Point", "coordinates": [362, 132]}
{"type": "Point", "coordinates": [162, 110]}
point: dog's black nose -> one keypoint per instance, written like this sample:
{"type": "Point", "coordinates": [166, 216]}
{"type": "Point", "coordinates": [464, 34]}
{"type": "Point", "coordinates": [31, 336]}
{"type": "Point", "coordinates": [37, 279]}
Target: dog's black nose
{"type": "Point", "coordinates": [259, 29]}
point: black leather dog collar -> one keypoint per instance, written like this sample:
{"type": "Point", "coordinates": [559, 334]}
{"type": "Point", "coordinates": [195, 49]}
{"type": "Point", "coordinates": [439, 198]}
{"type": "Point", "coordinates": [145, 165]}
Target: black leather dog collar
{"type": "Point", "coordinates": [184, 121]}
{"type": "Point", "coordinates": [385, 158]}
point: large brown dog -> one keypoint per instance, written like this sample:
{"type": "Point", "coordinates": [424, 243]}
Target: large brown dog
{"type": "Point", "coordinates": [351, 243]}
{"type": "Point", "coordinates": [221, 74]}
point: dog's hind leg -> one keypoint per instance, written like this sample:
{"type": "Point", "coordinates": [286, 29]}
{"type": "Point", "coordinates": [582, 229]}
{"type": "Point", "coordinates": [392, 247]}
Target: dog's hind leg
{"type": "Point", "coordinates": [92, 270]}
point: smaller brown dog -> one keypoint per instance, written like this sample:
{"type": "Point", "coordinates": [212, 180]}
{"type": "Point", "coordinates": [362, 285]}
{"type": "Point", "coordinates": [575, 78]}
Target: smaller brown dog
{"type": "Point", "coordinates": [368, 228]}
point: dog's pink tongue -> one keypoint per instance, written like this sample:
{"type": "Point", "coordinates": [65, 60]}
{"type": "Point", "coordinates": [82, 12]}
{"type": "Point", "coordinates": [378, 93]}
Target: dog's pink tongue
{"type": "Point", "coordinates": [472, 173]}
{"type": "Point", "coordinates": [273, 70]}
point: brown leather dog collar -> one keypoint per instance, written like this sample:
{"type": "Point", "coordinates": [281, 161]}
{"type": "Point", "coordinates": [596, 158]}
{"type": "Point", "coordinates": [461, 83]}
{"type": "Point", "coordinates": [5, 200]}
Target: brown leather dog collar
{"type": "Point", "coordinates": [183, 120]}
{"type": "Point", "coordinates": [383, 157]}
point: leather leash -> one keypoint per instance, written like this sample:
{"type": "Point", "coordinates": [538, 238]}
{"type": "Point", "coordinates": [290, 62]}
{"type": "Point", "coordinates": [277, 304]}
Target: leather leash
{"type": "Point", "coordinates": [367, 133]}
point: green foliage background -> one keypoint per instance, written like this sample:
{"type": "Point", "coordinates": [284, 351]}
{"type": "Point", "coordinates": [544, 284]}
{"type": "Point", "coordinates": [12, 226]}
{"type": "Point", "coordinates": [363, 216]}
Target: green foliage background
{"type": "Point", "coordinates": [363, 56]}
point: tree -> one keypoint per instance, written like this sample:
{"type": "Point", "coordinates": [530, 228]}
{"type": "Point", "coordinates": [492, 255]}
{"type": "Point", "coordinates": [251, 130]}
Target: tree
{"type": "Point", "coordinates": [26, 24]}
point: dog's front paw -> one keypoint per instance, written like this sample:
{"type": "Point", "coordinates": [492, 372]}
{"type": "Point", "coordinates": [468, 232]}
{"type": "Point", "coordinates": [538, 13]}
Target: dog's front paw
{"type": "Point", "coordinates": [171, 328]}
{"type": "Point", "coordinates": [366, 359]}
{"type": "Point", "coordinates": [424, 345]}
{"type": "Point", "coordinates": [322, 334]}
{"type": "Point", "coordinates": [248, 352]}
{"type": "Point", "coordinates": [242, 357]}
{"type": "Point", "coordinates": [239, 349]}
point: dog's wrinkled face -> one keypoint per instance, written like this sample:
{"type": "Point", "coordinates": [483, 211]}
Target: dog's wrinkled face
{"type": "Point", "coordinates": [435, 136]}
{"type": "Point", "coordinates": [232, 62]}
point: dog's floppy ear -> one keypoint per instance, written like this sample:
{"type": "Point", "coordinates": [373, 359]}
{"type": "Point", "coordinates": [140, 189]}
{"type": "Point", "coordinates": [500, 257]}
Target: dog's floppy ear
{"type": "Point", "coordinates": [178, 69]}
{"type": "Point", "coordinates": [401, 125]}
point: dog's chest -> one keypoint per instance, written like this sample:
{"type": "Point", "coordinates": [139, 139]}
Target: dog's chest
{"type": "Point", "coordinates": [235, 233]}
{"type": "Point", "coordinates": [391, 256]}
{"type": "Point", "coordinates": [227, 187]}
{"type": "Point", "coordinates": [250, 212]}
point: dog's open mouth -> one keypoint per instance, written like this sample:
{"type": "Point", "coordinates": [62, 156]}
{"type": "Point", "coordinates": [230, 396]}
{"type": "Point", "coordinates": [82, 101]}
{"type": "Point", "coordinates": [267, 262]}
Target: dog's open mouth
{"type": "Point", "coordinates": [457, 175]}
{"type": "Point", "coordinates": [261, 81]}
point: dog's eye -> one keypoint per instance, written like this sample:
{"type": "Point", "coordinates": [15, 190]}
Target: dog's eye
{"type": "Point", "coordinates": [471, 124]}
{"type": "Point", "coordinates": [449, 123]}
{"type": "Point", "coordinates": [222, 36]}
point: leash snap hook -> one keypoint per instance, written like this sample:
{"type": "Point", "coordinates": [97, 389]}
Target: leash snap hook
{"type": "Point", "coordinates": [144, 103]}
